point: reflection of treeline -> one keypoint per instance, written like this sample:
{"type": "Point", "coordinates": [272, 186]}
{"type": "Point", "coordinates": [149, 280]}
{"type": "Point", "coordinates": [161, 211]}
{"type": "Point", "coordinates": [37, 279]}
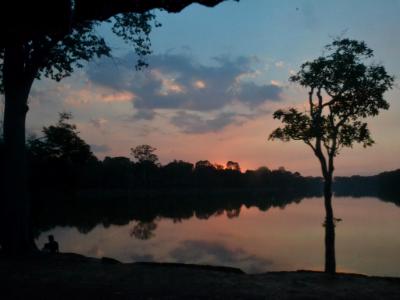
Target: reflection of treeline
{"type": "Point", "coordinates": [87, 210]}
{"type": "Point", "coordinates": [384, 185]}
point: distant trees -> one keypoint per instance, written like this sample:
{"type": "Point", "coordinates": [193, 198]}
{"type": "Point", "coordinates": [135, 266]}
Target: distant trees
{"type": "Point", "coordinates": [343, 89]}
{"type": "Point", "coordinates": [232, 165]}
{"type": "Point", "coordinates": [178, 173]}
{"type": "Point", "coordinates": [117, 173]}
{"type": "Point", "coordinates": [61, 161]}
{"type": "Point", "coordinates": [144, 154]}
{"type": "Point", "coordinates": [146, 164]}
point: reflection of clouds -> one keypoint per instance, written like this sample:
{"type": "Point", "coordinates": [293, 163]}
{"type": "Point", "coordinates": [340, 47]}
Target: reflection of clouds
{"type": "Point", "coordinates": [95, 251]}
{"type": "Point", "coordinates": [232, 213]}
{"type": "Point", "coordinates": [191, 251]}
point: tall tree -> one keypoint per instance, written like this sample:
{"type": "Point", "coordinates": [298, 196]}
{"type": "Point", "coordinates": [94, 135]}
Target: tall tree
{"type": "Point", "coordinates": [60, 157]}
{"type": "Point", "coordinates": [46, 38]}
{"type": "Point", "coordinates": [146, 163]}
{"type": "Point", "coordinates": [344, 88]}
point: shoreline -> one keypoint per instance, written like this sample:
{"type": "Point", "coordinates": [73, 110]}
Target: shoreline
{"type": "Point", "coordinates": [73, 276]}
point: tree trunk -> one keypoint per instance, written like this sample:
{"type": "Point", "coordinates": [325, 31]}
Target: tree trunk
{"type": "Point", "coordinates": [16, 236]}
{"type": "Point", "coordinates": [330, 258]}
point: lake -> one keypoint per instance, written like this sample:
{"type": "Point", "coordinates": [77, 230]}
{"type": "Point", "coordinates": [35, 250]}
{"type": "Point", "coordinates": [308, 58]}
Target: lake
{"type": "Point", "coordinates": [285, 238]}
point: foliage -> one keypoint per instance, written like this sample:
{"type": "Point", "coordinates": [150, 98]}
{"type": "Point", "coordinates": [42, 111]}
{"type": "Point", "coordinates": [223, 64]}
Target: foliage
{"type": "Point", "coordinates": [232, 165]}
{"type": "Point", "coordinates": [144, 154]}
{"type": "Point", "coordinates": [62, 141]}
{"type": "Point", "coordinates": [56, 58]}
{"type": "Point", "coordinates": [344, 88]}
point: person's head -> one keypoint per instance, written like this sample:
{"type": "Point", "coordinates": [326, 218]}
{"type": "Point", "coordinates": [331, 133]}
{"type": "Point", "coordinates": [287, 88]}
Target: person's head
{"type": "Point", "coordinates": [51, 238]}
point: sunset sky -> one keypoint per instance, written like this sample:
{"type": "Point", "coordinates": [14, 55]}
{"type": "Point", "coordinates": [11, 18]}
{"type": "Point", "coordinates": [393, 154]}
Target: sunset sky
{"type": "Point", "coordinates": [215, 77]}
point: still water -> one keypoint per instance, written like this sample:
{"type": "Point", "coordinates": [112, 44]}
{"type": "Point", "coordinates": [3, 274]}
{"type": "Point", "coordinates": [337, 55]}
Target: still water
{"type": "Point", "coordinates": [289, 238]}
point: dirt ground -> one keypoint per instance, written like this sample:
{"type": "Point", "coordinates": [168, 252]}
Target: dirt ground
{"type": "Point", "coordinates": [71, 276]}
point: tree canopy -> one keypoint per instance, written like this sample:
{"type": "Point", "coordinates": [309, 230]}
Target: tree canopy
{"type": "Point", "coordinates": [62, 141]}
{"type": "Point", "coordinates": [144, 154]}
{"type": "Point", "coordinates": [344, 87]}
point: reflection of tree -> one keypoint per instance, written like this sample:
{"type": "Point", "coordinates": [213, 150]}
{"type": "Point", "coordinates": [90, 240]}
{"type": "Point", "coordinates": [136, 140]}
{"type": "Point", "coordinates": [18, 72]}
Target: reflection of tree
{"type": "Point", "coordinates": [233, 213]}
{"type": "Point", "coordinates": [144, 230]}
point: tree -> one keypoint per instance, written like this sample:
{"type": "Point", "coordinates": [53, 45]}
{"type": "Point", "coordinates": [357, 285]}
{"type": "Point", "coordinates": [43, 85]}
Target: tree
{"type": "Point", "coordinates": [60, 158]}
{"type": "Point", "coordinates": [344, 88]}
{"type": "Point", "coordinates": [34, 44]}
{"type": "Point", "coordinates": [147, 165]}
{"type": "Point", "coordinates": [144, 154]}
{"type": "Point", "coordinates": [62, 142]}
{"type": "Point", "coordinates": [233, 165]}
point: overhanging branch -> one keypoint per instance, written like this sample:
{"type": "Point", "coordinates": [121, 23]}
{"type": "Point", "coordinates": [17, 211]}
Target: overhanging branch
{"type": "Point", "coordinates": [88, 10]}
{"type": "Point", "coordinates": [22, 21]}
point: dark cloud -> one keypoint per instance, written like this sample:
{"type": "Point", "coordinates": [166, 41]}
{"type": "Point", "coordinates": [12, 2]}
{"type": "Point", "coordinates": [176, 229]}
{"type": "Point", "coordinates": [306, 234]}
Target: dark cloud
{"type": "Point", "coordinates": [193, 251]}
{"type": "Point", "coordinates": [177, 82]}
{"type": "Point", "coordinates": [144, 114]}
{"type": "Point", "coordinates": [193, 123]}
{"type": "Point", "coordinates": [253, 94]}
{"type": "Point", "coordinates": [100, 148]}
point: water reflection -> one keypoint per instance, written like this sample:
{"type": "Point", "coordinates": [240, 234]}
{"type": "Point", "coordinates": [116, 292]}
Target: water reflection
{"type": "Point", "coordinates": [216, 253]}
{"type": "Point", "coordinates": [86, 214]}
{"type": "Point", "coordinates": [257, 236]}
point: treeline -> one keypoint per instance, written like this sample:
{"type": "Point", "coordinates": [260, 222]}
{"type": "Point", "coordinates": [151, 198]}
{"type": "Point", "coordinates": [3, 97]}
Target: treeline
{"type": "Point", "coordinates": [384, 185]}
{"type": "Point", "coordinates": [61, 160]}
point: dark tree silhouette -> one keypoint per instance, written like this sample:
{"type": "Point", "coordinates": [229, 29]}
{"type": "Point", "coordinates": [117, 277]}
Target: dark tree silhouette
{"type": "Point", "coordinates": [146, 163]}
{"type": "Point", "coordinates": [62, 141]}
{"type": "Point", "coordinates": [203, 164]}
{"type": "Point", "coordinates": [232, 165]}
{"type": "Point", "coordinates": [144, 154]}
{"type": "Point", "coordinates": [60, 159]}
{"type": "Point", "coordinates": [177, 173]}
{"type": "Point", "coordinates": [47, 38]}
{"type": "Point", "coordinates": [344, 88]}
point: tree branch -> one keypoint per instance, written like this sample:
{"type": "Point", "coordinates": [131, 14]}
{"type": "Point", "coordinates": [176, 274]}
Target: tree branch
{"type": "Point", "coordinates": [21, 22]}
{"type": "Point", "coordinates": [87, 10]}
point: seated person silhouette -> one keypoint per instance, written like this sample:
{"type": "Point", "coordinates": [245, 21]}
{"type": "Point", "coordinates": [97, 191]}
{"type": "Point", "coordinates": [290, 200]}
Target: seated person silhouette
{"type": "Point", "coordinates": [51, 246]}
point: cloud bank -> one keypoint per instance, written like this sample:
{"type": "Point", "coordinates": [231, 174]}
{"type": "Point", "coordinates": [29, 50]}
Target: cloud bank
{"type": "Point", "coordinates": [200, 98]}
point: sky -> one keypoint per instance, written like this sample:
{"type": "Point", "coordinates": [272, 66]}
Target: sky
{"type": "Point", "coordinates": [214, 79]}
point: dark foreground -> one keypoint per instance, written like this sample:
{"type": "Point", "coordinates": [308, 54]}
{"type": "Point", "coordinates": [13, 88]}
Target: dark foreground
{"type": "Point", "coordinates": [70, 276]}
